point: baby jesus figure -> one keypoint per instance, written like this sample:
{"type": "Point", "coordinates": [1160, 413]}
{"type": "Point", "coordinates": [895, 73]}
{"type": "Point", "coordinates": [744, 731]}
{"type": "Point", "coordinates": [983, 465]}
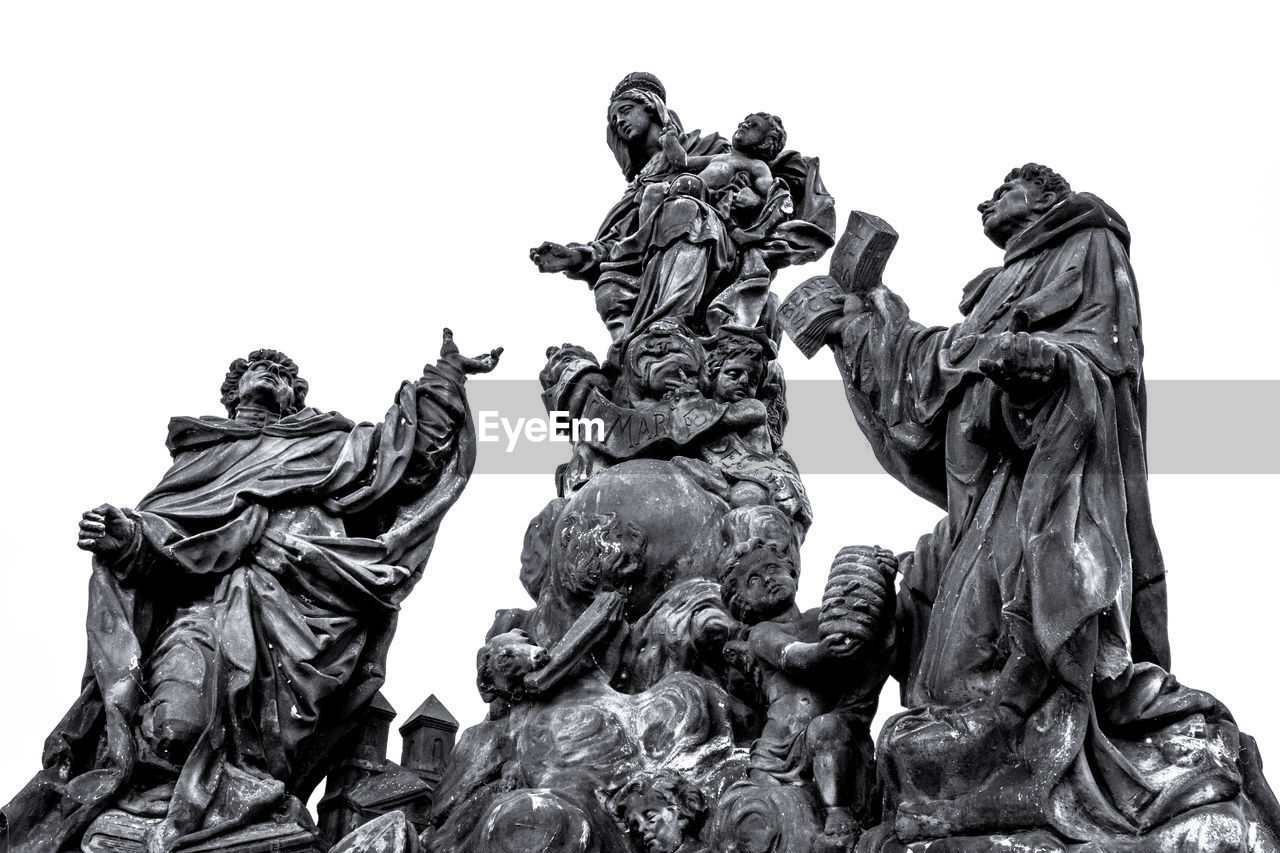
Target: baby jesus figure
{"type": "Point", "coordinates": [742, 174]}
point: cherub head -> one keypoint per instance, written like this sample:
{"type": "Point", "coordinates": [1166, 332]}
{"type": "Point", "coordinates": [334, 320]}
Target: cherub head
{"type": "Point", "coordinates": [760, 136]}
{"type": "Point", "coordinates": [267, 378]}
{"type": "Point", "coordinates": [504, 661]}
{"type": "Point", "coordinates": [759, 564]}
{"type": "Point", "coordinates": [598, 552]}
{"type": "Point", "coordinates": [737, 364]}
{"type": "Point", "coordinates": [661, 808]}
{"type": "Point", "coordinates": [662, 358]}
{"type": "Point", "coordinates": [561, 358]}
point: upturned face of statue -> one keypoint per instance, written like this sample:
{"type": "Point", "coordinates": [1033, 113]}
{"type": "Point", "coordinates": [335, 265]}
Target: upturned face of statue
{"type": "Point", "coordinates": [768, 579]}
{"type": "Point", "coordinates": [266, 384]}
{"type": "Point", "coordinates": [631, 120]}
{"type": "Point", "coordinates": [737, 379]}
{"type": "Point", "coordinates": [751, 133]}
{"type": "Point", "coordinates": [1013, 207]}
{"type": "Point", "coordinates": [658, 822]}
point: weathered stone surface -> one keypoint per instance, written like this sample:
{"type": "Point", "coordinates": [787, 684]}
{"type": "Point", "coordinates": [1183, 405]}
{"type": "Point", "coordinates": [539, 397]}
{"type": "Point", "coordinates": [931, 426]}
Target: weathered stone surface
{"type": "Point", "coordinates": [390, 833]}
{"type": "Point", "coordinates": [665, 661]}
{"type": "Point", "coordinates": [703, 224]}
{"type": "Point", "coordinates": [663, 691]}
{"type": "Point", "coordinates": [116, 831]}
{"type": "Point", "coordinates": [239, 617]}
{"type": "Point", "coordinates": [1031, 639]}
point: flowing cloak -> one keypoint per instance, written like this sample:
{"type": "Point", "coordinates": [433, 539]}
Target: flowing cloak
{"type": "Point", "coordinates": [1068, 473]}
{"type": "Point", "coordinates": [1045, 578]}
{"type": "Point", "coordinates": [674, 256]}
{"type": "Point", "coordinates": [300, 539]}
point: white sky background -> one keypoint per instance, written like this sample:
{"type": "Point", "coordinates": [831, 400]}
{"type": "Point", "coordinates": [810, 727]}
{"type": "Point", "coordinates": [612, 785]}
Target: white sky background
{"type": "Point", "coordinates": [181, 183]}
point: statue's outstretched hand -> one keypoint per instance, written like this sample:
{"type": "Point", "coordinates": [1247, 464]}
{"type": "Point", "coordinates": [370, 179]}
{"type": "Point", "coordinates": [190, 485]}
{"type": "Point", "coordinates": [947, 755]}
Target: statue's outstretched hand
{"type": "Point", "coordinates": [470, 366]}
{"type": "Point", "coordinates": [482, 363]}
{"type": "Point", "coordinates": [106, 531]}
{"type": "Point", "coordinates": [555, 257]}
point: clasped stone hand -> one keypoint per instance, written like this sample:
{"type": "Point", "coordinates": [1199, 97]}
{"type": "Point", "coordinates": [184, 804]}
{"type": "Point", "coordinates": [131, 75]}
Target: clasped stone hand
{"type": "Point", "coordinates": [1022, 363]}
{"type": "Point", "coordinates": [106, 531]}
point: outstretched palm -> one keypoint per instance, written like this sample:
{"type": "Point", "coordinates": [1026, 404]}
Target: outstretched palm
{"type": "Point", "coordinates": [469, 365]}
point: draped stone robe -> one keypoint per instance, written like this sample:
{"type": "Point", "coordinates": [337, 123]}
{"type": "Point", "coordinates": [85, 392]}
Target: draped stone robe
{"type": "Point", "coordinates": [1040, 595]}
{"type": "Point", "coordinates": [275, 558]}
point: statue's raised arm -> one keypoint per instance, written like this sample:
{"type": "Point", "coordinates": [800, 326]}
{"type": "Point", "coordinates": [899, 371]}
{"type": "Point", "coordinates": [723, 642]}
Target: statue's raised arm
{"type": "Point", "coordinates": [239, 615]}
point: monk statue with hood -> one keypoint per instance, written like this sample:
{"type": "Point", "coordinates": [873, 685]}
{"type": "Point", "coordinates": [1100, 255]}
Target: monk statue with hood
{"type": "Point", "coordinates": [240, 614]}
{"type": "Point", "coordinates": [1031, 638]}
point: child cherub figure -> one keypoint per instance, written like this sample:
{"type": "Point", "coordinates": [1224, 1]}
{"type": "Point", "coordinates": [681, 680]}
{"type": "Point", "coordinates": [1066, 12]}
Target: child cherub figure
{"type": "Point", "coordinates": [662, 810]}
{"type": "Point", "coordinates": [758, 140]}
{"type": "Point", "coordinates": [759, 470]}
{"type": "Point", "coordinates": [738, 183]}
{"type": "Point", "coordinates": [666, 362]}
{"type": "Point", "coordinates": [821, 687]}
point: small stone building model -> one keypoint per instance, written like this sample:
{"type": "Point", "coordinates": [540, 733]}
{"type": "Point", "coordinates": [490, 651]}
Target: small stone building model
{"type": "Point", "coordinates": [367, 784]}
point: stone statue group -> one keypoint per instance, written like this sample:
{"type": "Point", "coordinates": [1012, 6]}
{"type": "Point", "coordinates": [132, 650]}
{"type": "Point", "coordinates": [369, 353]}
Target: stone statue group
{"type": "Point", "coordinates": [664, 692]}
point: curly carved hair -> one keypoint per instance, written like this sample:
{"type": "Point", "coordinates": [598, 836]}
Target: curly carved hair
{"type": "Point", "coordinates": [728, 346]}
{"type": "Point", "coordinates": [559, 358]}
{"type": "Point", "coordinates": [775, 140]}
{"type": "Point", "coordinates": [237, 369]}
{"type": "Point", "coordinates": [689, 801]}
{"type": "Point", "coordinates": [598, 552]}
{"type": "Point", "coordinates": [743, 530]}
{"type": "Point", "coordinates": [1045, 178]}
